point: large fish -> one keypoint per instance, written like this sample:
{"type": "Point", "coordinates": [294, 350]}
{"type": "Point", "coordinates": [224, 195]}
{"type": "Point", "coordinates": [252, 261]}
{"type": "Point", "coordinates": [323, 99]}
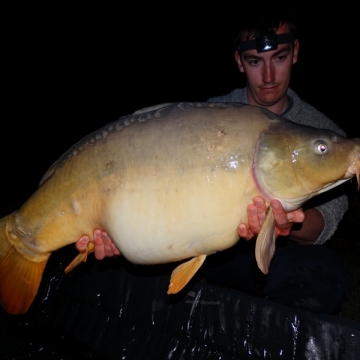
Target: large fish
{"type": "Point", "coordinates": [170, 183]}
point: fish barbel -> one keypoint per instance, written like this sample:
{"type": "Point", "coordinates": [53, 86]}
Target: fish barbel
{"type": "Point", "coordinates": [170, 183]}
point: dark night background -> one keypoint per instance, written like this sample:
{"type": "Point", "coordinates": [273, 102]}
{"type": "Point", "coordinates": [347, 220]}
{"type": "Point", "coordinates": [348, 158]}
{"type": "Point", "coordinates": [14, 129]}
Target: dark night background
{"type": "Point", "coordinates": [67, 71]}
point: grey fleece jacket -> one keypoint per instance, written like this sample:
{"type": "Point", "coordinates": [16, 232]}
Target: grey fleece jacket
{"type": "Point", "coordinates": [332, 206]}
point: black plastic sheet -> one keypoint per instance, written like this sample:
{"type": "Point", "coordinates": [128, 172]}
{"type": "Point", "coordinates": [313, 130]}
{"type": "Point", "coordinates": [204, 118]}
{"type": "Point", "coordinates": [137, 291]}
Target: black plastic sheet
{"type": "Point", "coordinates": [124, 312]}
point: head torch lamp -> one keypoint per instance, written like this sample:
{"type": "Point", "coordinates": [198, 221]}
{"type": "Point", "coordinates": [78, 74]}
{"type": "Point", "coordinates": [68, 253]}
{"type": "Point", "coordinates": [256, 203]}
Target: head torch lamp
{"type": "Point", "coordinates": [266, 42]}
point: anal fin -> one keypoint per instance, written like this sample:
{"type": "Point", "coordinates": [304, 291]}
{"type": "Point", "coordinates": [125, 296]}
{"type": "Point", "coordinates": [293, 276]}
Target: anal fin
{"type": "Point", "coordinates": [183, 273]}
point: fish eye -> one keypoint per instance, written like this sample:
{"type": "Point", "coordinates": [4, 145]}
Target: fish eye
{"type": "Point", "coordinates": [321, 148]}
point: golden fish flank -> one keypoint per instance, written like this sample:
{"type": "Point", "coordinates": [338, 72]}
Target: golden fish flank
{"type": "Point", "coordinates": [169, 183]}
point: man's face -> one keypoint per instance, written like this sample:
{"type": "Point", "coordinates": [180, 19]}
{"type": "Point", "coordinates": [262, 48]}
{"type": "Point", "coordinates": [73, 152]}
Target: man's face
{"type": "Point", "coordinates": [268, 73]}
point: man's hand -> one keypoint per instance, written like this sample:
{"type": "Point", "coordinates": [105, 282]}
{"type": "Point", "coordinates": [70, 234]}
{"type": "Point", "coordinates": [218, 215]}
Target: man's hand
{"type": "Point", "coordinates": [257, 213]}
{"type": "Point", "coordinates": [103, 245]}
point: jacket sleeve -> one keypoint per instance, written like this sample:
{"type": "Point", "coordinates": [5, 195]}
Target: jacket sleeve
{"type": "Point", "coordinates": [333, 211]}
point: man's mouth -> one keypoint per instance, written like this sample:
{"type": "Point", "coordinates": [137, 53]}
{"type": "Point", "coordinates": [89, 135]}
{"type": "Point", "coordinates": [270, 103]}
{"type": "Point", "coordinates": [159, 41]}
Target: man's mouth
{"type": "Point", "coordinates": [268, 87]}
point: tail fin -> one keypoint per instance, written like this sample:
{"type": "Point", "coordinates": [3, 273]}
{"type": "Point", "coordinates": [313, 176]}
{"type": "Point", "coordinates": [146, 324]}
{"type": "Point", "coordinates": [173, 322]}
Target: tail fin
{"type": "Point", "coordinates": [19, 277]}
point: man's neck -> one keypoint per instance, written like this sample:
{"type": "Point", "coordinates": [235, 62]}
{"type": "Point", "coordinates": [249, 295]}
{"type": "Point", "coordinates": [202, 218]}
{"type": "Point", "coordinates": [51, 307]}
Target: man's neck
{"type": "Point", "coordinates": [278, 108]}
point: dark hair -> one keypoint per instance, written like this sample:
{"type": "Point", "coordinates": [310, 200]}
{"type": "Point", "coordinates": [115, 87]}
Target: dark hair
{"type": "Point", "coordinates": [255, 21]}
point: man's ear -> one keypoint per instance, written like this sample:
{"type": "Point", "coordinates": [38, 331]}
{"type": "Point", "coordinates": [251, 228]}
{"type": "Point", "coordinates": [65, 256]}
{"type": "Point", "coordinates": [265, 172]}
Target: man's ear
{"type": "Point", "coordinates": [238, 61]}
{"type": "Point", "coordinates": [296, 51]}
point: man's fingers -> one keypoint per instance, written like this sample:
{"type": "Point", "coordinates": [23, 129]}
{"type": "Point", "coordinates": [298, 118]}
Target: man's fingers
{"type": "Point", "coordinates": [244, 232]}
{"type": "Point", "coordinates": [260, 205]}
{"type": "Point", "coordinates": [296, 216]}
{"type": "Point", "coordinates": [282, 224]}
{"type": "Point", "coordinates": [114, 249]}
{"type": "Point", "coordinates": [110, 246]}
{"type": "Point", "coordinates": [257, 213]}
{"type": "Point", "coordinates": [279, 213]}
{"type": "Point", "coordinates": [81, 244]}
{"type": "Point", "coordinates": [253, 218]}
{"type": "Point", "coordinates": [104, 247]}
{"type": "Point", "coordinates": [99, 248]}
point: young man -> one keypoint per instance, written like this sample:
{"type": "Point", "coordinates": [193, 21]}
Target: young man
{"type": "Point", "coordinates": [304, 276]}
{"type": "Point", "coordinates": [267, 48]}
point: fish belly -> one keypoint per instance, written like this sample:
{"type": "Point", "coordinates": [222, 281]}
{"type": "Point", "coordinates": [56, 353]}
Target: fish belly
{"type": "Point", "coordinates": [172, 218]}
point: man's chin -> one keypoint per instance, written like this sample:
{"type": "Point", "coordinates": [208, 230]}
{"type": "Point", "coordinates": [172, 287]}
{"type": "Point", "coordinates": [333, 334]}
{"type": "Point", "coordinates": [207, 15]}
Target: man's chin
{"type": "Point", "coordinates": [269, 102]}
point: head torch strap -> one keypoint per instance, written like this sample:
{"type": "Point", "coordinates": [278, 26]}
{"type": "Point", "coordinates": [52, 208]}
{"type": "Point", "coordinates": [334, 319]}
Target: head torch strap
{"type": "Point", "coordinates": [266, 42]}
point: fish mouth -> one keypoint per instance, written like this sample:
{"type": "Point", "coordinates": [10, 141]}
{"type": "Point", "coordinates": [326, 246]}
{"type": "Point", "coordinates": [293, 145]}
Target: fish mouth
{"type": "Point", "coordinates": [354, 169]}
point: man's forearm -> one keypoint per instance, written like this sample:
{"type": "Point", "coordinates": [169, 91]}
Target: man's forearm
{"type": "Point", "coordinates": [310, 229]}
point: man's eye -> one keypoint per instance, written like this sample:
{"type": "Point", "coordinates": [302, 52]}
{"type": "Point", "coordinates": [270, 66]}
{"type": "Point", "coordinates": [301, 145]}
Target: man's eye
{"type": "Point", "coordinates": [254, 62]}
{"type": "Point", "coordinates": [281, 57]}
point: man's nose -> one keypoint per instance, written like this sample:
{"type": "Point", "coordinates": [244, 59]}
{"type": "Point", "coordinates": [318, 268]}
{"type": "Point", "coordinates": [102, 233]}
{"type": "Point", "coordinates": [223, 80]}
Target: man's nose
{"type": "Point", "coordinates": [268, 73]}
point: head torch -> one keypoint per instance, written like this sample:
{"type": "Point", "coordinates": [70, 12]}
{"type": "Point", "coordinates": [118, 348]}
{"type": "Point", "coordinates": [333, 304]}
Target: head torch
{"type": "Point", "coordinates": [266, 42]}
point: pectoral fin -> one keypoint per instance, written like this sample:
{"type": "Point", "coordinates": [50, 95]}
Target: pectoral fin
{"type": "Point", "coordinates": [183, 273]}
{"type": "Point", "coordinates": [265, 243]}
{"type": "Point", "coordinates": [81, 257]}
